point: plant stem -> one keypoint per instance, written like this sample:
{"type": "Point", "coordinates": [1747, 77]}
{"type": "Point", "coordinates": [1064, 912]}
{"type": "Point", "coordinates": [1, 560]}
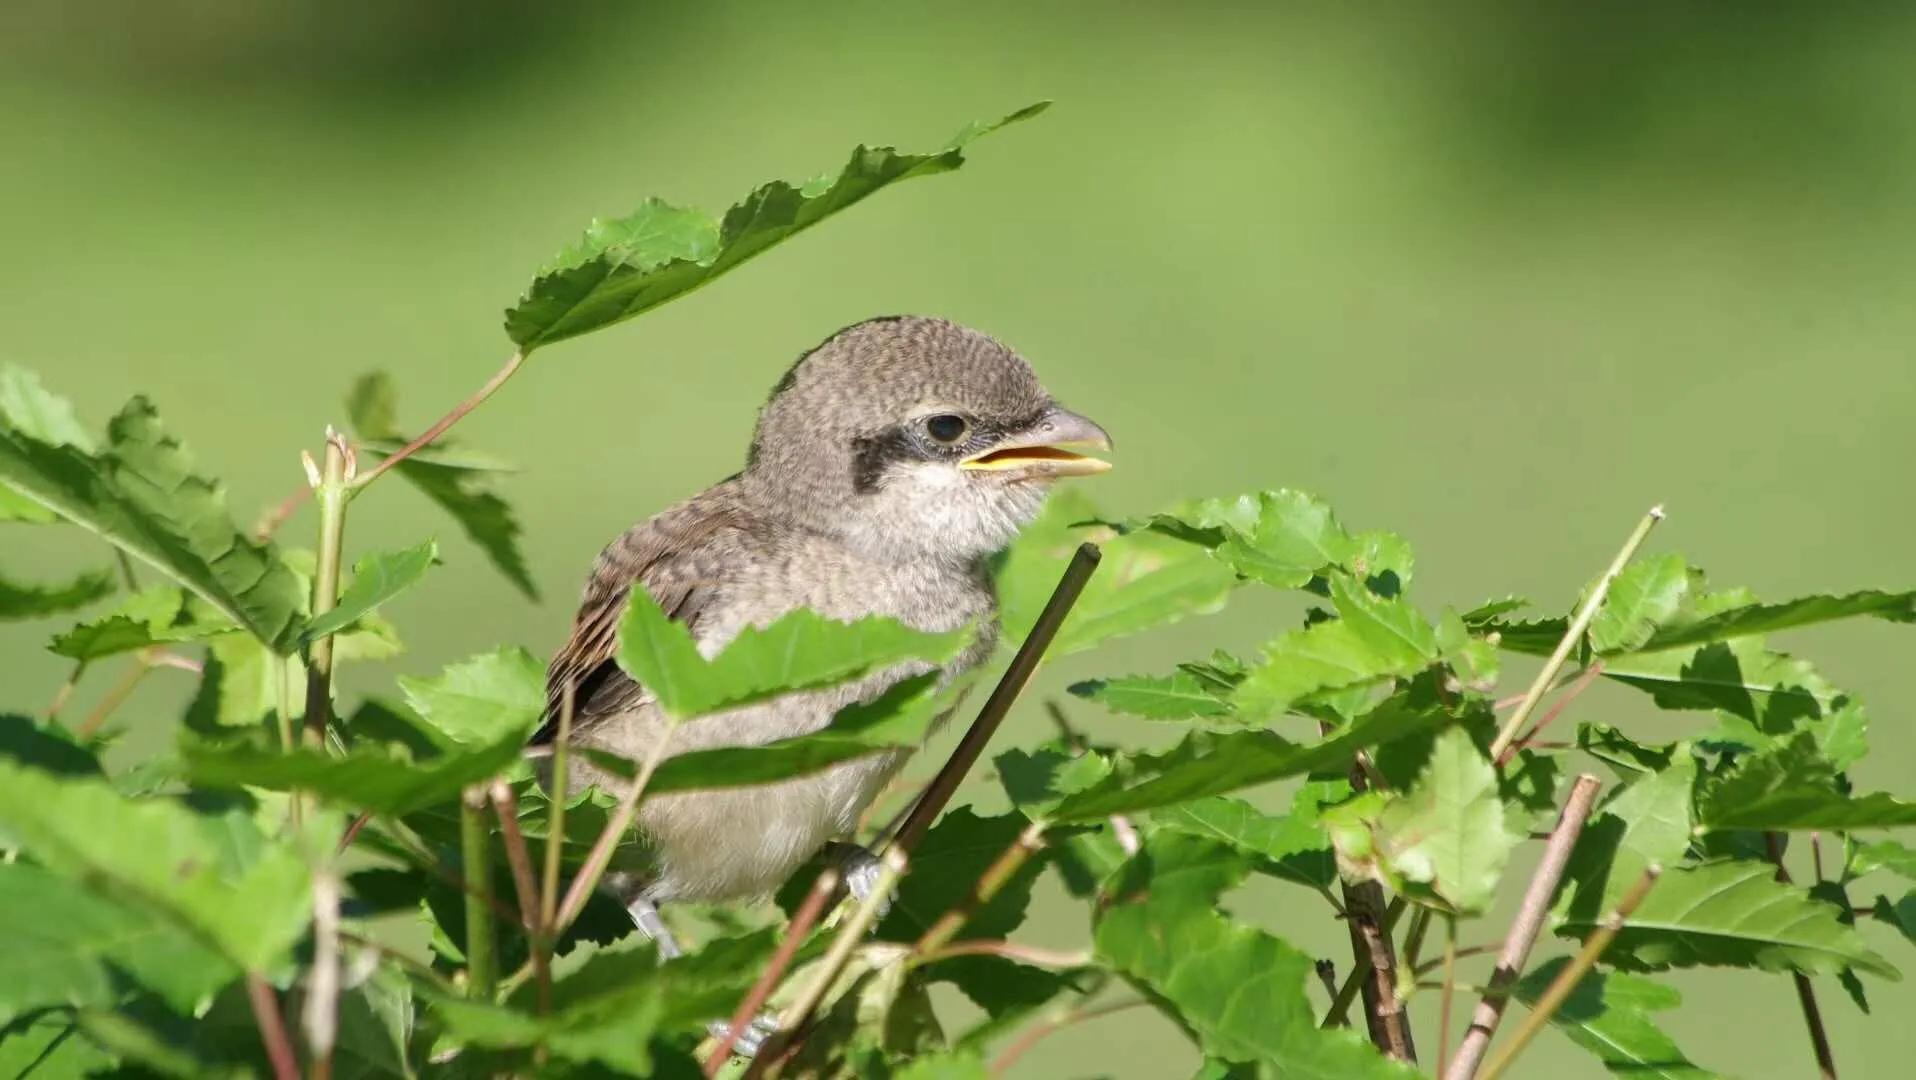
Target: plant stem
{"type": "Point", "coordinates": [555, 827]}
{"type": "Point", "coordinates": [1374, 957]}
{"type": "Point", "coordinates": [1016, 675]}
{"type": "Point", "coordinates": [803, 920]}
{"type": "Point", "coordinates": [1009, 950]}
{"type": "Point", "coordinates": [1805, 992]}
{"type": "Point", "coordinates": [507, 807]}
{"type": "Point", "coordinates": [1573, 635]}
{"type": "Point", "coordinates": [1577, 686]}
{"type": "Point", "coordinates": [580, 891]}
{"type": "Point", "coordinates": [272, 519]}
{"type": "Point", "coordinates": [322, 988]}
{"type": "Point", "coordinates": [1037, 1032]}
{"type": "Point", "coordinates": [62, 695]}
{"type": "Point", "coordinates": [475, 855]}
{"type": "Point", "coordinates": [1362, 967]}
{"type": "Point", "coordinates": [1414, 944]}
{"type": "Point", "coordinates": [1572, 973]}
{"type": "Point", "coordinates": [115, 697]}
{"type": "Point", "coordinates": [331, 492]}
{"type": "Point", "coordinates": [995, 877]}
{"type": "Point", "coordinates": [1523, 930]}
{"type": "Point", "coordinates": [272, 1027]}
{"type": "Point", "coordinates": [795, 1024]}
{"type": "Point", "coordinates": [1449, 996]}
{"type": "Point", "coordinates": [457, 414]}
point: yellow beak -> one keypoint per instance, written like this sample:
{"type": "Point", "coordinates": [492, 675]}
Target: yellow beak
{"type": "Point", "coordinates": [1043, 449]}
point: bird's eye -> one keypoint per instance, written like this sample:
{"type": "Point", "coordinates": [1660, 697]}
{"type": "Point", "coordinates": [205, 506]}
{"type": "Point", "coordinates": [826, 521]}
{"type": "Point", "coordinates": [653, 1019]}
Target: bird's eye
{"type": "Point", "coordinates": [946, 428]}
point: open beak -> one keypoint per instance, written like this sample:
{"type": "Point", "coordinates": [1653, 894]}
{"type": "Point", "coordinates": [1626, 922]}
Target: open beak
{"type": "Point", "coordinates": [1046, 448]}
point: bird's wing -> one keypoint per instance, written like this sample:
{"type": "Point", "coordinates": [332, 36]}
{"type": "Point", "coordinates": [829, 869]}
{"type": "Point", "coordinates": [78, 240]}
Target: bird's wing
{"type": "Point", "coordinates": [675, 556]}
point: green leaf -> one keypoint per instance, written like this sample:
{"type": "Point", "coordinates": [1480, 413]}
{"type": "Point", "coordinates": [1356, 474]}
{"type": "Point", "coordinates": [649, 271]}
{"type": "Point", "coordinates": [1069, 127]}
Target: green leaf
{"type": "Point", "coordinates": [1794, 787]}
{"type": "Point", "coordinates": [45, 746]}
{"type": "Point", "coordinates": [1238, 989]}
{"type": "Point", "coordinates": [141, 495]}
{"type": "Point", "coordinates": [1608, 1014]}
{"type": "Point", "coordinates": [1630, 759]}
{"type": "Point", "coordinates": [20, 600]}
{"type": "Point", "coordinates": [241, 685]}
{"type": "Point", "coordinates": [31, 410]}
{"type": "Point", "coordinates": [623, 268]}
{"type": "Point", "coordinates": [1376, 638]}
{"type": "Point", "coordinates": [948, 862]}
{"type": "Point", "coordinates": [451, 477]}
{"type": "Point", "coordinates": [1647, 822]}
{"type": "Point", "coordinates": [1901, 915]}
{"type": "Point", "coordinates": [1642, 598]}
{"type": "Point", "coordinates": [1294, 846]}
{"type": "Point", "coordinates": [222, 881]}
{"type": "Point", "coordinates": [156, 616]}
{"type": "Point", "coordinates": [1446, 839]}
{"type": "Point", "coordinates": [1038, 780]}
{"type": "Point", "coordinates": [376, 579]}
{"type": "Point", "coordinates": [49, 1046]}
{"type": "Point", "coordinates": [1890, 855]}
{"type": "Point", "coordinates": [1734, 914]}
{"type": "Point", "coordinates": [953, 1065]}
{"type": "Point", "coordinates": [1182, 695]}
{"type": "Point", "coordinates": [1293, 537]}
{"type": "Point", "coordinates": [799, 651]}
{"type": "Point", "coordinates": [1752, 619]}
{"type": "Point", "coordinates": [363, 779]}
{"type": "Point", "coordinates": [483, 701]}
{"type": "Point", "coordinates": [69, 942]}
{"type": "Point", "coordinates": [1217, 764]}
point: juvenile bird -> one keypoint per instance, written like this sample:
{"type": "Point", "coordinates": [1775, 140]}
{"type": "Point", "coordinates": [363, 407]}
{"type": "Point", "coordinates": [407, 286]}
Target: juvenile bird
{"type": "Point", "coordinates": [888, 464]}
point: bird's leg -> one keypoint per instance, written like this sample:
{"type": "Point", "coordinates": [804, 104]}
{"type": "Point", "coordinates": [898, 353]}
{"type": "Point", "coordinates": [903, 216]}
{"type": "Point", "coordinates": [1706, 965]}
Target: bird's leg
{"type": "Point", "coordinates": [645, 916]}
{"type": "Point", "coordinates": [860, 869]}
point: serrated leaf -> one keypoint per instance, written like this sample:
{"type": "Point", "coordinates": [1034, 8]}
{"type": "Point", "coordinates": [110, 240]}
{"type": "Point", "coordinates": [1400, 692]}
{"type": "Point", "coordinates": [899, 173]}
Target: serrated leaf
{"type": "Point", "coordinates": [624, 268]}
{"type": "Point", "coordinates": [236, 892]}
{"type": "Point", "coordinates": [1218, 764]}
{"type": "Point", "coordinates": [1641, 599]}
{"type": "Point", "coordinates": [482, 701]}
{"type": "Point", "coordinates": [1376, 638]}
{"type": "Point", "coordinates": [1608, 1014]}
{"type": "Point", "coordinates": [30, 409]}
{"type": "Point", "coordinates": [1182, 695]}
{"type": "Point", "coordinates": [1292, 538]}
{"type": "Point", "coordinates": [363, 779]}
{"type": "Point", "coordinates": [1446, 839]}
{"type": "Point", "coordinates": [447, 476]}
{"type": "Point", "coordinates": [1631, 759]}
{"type": "Point", "coordinates": [799, 651]}
{"type": "Point", "coordinates": [241, 685]}
{"type": "Point", "coordinates": [1293, 846]}
{"type": "Point", "coordinates": [45, 746]}
{"type": "Point", "coordinates": [23, 600]}
{"type": "Point", "coordinates": [1734, 914]}
{"type": "Point", "coordinates": [156, 616]}
{"type": "Point", "coordinates": [945, 867]}
{"type": "Point", "coordinates": [1890, 855]}
{"type": "Point", "coordinates": [1901, 915]}
{"type": "Point", "coordinates": [1647, 822]}
{"type": "Point", "coordinates": [1038, 780]}
{"type": "Point", "coordinates": [1794, 787]}
{"type": "Point", "coordinates": [1238, 989]}
{"type": "Point", "coordinates": [1752, 619]}
{"type": "Point", "coordinates": [377, 578]}
{"type": "Point", "coordinates": [141, 496]}
{"type": "Point", "coordinates": [70, 942]}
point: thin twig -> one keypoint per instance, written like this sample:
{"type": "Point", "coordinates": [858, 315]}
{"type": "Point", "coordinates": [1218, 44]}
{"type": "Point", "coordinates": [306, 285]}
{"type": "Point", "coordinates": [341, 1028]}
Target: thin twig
{"type": "Point", "coordinates": [995, 877]}
{"type": "Point", "coordinates": [115, 697]}
{"type": "Point", "coordinates": [475, 851]}
{"type": "Point", "coordinates": [1414, 942]}
{"type": "Point", "coordinates": [580, 891]}
{"type": "Point", "coordinates": [321, 1014]}
{"type": "Point", "coordinates": [1016, 675]}
{"type": "Point", "coordinates": [1524, 928]}
{"type": "Point", "coordinates": [795, 1023]}
{"type": "Point", "coordinates": [1373, 957]}
{"type": "Point", "coordinates": [429, 862]}
{"type": "Point", "coordinates": [1009, 950]}
{"type": "Point", "coordinates": [334, 480]}
{"type": "Point", "coordinates": [1805, 992]}
{"type": "Point", "coordinates": [65, 693]}
{"type": "Point", "coordinates": [1576, 688]}
{"type": "Point", "coordinates": [803, 920]}
{"type": "Point", "coordinates": [506, 805]}
{"type": "Point", "coordinates": [457, 414]}
{"type": "Point", "coordinates": [277, 515]}
{"type": "Point", "coordinates": [1429, 966]}
{"type": "Point", "coordinates": [1448, 998]}
{"type": "Point", "coordinates": [1362, 967]}
{"type": "Point", "coordinates": [1573, 635]}
{"type": "Point", "coordinates": [272, 1028]}
{"type": "Point", "coordinates": [555, 828]}
{"type": "Point", "coordinates": [1816, 855]}
{"type": "Point", "coordinates": [1326, 969]}
{"type": "Point", "coordinates": [1032, 1035]}
{"type": "Point", "coordinates": [1572, 974]}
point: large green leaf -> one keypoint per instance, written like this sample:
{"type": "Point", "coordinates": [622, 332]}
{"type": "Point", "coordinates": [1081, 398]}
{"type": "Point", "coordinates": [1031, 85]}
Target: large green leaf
{"type": "Point", "coordinates": [1445, 840]}
{"type": "Point", "coordinates": [159, 615]}
{"type": "Point", "coordinates": [455, 479]}
{"type": "Point", "coordinates": [22, 600]}
{"type": "Point", "coordinates": [1144, 580]}
{"type": "Point", "coordinates": [483, 701]}
{"type": "Point", "coordinates": [1293, 846]}
{"type": "Point", "coordinates": [1734, 914]}
{"type": "Point", "coordinates": [67, 943]}
{"type": "Point", "coordinates": [1374, 638]}
{"type": "Point", "coordinates": [799, 651]}
{"type": "Point", "coordinates": [1182, 695]}
{"type": "Point", "coordinates": [29, 409]}
{"type": "Point", "coordinates": [222, 881]}
{"type": "Point", "coordinates": [1642, 598]}
{"type": "Point", "coordinates": [1647, 823]}
{"type": "Point", "coordinates": [1238, 989]}
{"type": "Point", "coordinates": [1752, 619]}
{"type": "Point", "coordinates": [363, 779]}
{"type": "Point", "coordinates": [142, 496]}
{"type": "Point", "coordinates": [1608, 1014]}
{"type": "Point", "coordinates": [376, 579]}
{"type": "Point", "coordinates": [1288, 539]}
{"type": "Point", "coordinates": [1217, 764]}
{"type": "Point", "coordinates": [623, 268]}
{"type": "Point", "coordinates": [1890, 855]}
{"type": "Point", "coordinates": [1794, 787]}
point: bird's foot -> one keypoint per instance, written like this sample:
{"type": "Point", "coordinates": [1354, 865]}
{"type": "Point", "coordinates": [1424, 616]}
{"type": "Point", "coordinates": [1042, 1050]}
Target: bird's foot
{"type": "Point", "coordinates": [645, 916]}
{"type": "Point", "coordinates": [861, 868]}
{"type": "Point", "coordinates": [749, 1041]}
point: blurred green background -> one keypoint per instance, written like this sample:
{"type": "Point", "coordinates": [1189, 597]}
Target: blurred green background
{"type": "Point", "coordinates": [1497, 277]}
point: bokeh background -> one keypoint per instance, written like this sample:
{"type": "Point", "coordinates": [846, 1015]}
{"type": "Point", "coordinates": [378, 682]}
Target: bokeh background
{"type": "Point", "coordinates": [1496, 276]}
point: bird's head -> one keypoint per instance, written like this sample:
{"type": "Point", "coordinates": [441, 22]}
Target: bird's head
{"type": "Point", "coordinates": [916, 438]}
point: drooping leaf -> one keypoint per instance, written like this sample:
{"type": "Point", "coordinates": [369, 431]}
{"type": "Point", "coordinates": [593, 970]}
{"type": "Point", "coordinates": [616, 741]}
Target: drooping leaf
{"type": "Point", "coordinates": [1890, 855]}
{"type": "Point", "coordinates": [1608, 1014]}
{"type": "Point", "coordinates": [1293, 846]}
{"type": "Point", "coordinates": [229, 887]}
{"type": "Point", "coordinates": [1240, 990]}
{"type": "Point", "coordinates": [1752, 619]}
{"type": "Point", "coordinates": [1642, 598]}
{"type": "Point", "coordinates": [70, 941]}
{"type": "Point", "coordinates": [1182, 695]}
{"type": "Point", "coordinates": [800, 650]}
{"type": "Point", "coordinates": [482, 701]}
{"type": "Point", "coordinates": [1038, 780]}
{"type": "Point", "coordinates": [376, 579]}
{"type": "Point", "coordinates": [1218, 764]}
{"type": "Point", "coordinates": [1794, 787]}
{"type": "Point", "coordinates": [626, 267]}
{"type": "Point", "coordinates": [1734, 913]}
{"type": "Point", "coordinates": [142, 496]}
{"type": "Point", "coordinates": [364, 779]}
{"type": "Point", "coordinates": [1631, 759]}
{"type": "Point", "coordinates": [156, 616]}
{"type": "Point", "coordinates": [23, 600]}
{"type": "Point", "coordinates": [45, 746]}
{"type": "Point", "coordinates": [30, 409]}
{"type": "Point", "coordinates": [451, 478]}
{"type": "Point", "coordinates": [1901, 915]}
{"type": "Point", "coordinates": [1445, 840]}
{"type": "Point", "coordinates": [1645, 823]}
